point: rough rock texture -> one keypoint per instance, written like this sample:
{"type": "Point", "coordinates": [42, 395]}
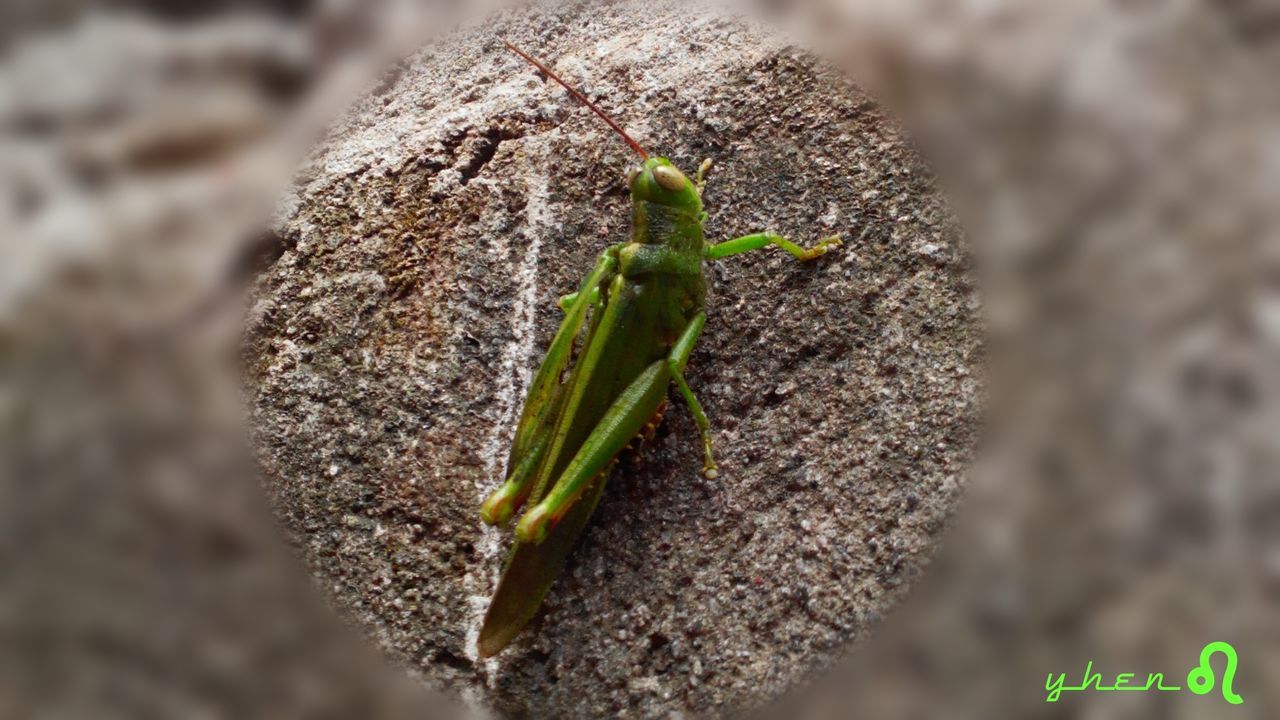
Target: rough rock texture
{"type": "Point", "coordinates": [428, 237]}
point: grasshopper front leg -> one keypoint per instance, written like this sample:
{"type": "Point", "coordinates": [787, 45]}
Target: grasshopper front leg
{"type": "Point", "coordinates": [747, 243]}
{"type": "Point", "coordinates": [628, 414]}
{"type": "Point", "coordinates": [700, 180]}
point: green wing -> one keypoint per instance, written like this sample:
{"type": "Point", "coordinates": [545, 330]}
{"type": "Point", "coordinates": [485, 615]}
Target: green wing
{"type": "Point", "coordinates": [530, 572]}
{"type": "Point", "coordinates": [541, 405]}
{"type": "Point", "coordinates": [531, 569]}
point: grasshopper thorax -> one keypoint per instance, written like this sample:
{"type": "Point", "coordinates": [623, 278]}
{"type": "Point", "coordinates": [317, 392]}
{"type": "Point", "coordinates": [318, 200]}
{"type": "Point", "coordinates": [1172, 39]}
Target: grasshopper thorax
{"type": "Point", "coordinates": [660, 182]}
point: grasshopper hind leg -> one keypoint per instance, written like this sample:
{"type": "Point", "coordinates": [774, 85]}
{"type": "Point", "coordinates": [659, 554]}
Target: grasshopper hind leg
{"type": "Point", "coordinates": [625, 418]}
{"type": "Point", "coordinates": [629, 415]}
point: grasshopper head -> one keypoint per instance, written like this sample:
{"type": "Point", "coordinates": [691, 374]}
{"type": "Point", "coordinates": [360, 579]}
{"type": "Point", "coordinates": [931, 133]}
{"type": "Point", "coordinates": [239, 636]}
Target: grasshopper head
{"type": "Point", "coordinates": [659, 181]}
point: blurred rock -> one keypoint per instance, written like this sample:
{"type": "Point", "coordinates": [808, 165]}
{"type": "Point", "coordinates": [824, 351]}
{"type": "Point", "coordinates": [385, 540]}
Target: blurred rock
{"type": "Point", "coordinates": [1113, 164]}
{"type": "Point", "coordinates": [143, 575]}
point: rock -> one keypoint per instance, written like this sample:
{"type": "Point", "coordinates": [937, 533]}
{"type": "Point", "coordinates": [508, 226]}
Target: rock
{"type": "Point", "coordinates": [425, 244]}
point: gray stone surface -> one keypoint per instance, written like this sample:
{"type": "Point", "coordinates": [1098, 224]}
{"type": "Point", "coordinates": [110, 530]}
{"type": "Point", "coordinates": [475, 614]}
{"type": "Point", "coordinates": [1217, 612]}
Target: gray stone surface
{"type": "Point", "coordinates": [389, 346]}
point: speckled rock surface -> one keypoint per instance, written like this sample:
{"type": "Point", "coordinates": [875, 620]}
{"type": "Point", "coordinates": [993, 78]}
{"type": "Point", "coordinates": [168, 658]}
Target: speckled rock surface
{"type": "Point", "coordinates": [427, 239]}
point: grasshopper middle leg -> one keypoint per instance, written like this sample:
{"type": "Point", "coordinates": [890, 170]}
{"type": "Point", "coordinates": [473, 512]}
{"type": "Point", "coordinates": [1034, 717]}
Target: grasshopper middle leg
{"type": "Point", "coordinates": [675, 363]}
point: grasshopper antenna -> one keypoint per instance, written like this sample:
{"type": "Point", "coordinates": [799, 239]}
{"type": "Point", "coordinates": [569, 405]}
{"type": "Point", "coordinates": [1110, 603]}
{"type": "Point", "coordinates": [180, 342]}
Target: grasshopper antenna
{"type": "Point", "coordinates": [579, 96]}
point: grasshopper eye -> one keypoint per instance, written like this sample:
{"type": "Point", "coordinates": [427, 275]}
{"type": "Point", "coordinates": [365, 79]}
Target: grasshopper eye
{"type": "Point", "coordinates": [669, 178]}
{"type": "Point", "coordinates": [632, 174]}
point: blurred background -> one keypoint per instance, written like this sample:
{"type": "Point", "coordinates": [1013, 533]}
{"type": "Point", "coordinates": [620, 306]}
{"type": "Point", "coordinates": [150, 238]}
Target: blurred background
{"type": "Point", "coordinates": [1113, 162]}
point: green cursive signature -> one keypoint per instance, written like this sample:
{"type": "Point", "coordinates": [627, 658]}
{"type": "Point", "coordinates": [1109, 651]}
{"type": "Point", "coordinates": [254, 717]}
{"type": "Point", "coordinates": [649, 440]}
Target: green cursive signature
{"type": "Point", "coordinates": [1200, 680]}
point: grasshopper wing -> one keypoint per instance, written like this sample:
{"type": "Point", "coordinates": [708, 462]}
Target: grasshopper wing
{"type": "Point", "coordinates": [531, 569]}
{"type": "Point", "coordinates": [542, 403]}
{"type": "Point", "coordinates": [529, 573]}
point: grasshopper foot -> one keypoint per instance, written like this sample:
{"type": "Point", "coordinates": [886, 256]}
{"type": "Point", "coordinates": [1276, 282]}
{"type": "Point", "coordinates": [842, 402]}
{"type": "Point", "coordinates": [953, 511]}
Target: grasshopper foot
{"type": "Point", "coordinates": [821, 247]}
{"type": "Point", "coordinates": [709, 469]}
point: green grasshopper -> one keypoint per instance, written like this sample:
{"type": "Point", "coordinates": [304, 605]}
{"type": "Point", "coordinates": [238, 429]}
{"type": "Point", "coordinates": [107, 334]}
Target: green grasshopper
{"type": "Point", "coordinates": [646, 304]}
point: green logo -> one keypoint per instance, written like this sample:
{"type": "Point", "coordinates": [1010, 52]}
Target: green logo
{"type": "Point", "coordinates": [1200, 680]}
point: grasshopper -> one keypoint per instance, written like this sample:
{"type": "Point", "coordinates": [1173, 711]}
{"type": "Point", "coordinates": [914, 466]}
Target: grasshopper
{"type": "Point", "coordinates": [643, 307]}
